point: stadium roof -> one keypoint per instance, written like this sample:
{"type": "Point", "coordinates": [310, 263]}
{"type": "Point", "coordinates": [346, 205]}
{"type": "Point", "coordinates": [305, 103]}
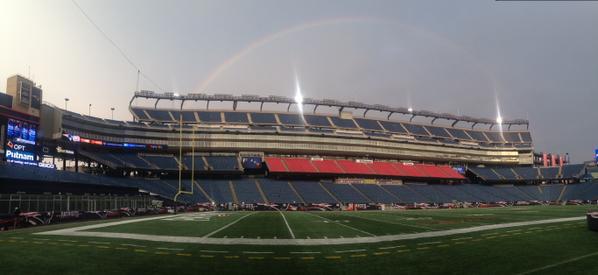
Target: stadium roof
{"type": "Point", "coordinates": [320, 102]}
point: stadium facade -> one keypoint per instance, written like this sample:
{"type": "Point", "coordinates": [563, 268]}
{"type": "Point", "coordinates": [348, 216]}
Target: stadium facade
{"type": "Point", "coordinates": [247, 156]}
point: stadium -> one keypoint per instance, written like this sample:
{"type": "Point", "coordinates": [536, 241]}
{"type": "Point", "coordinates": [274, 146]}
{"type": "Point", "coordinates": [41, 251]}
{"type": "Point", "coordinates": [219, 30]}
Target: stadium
{"type": "Point", "coordinates": [298, 137]}
{"type": "Point", "coordinates": [339, 187]}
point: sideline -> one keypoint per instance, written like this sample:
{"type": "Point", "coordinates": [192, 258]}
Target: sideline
{"type": "Point", "coordinates": [77, 231]}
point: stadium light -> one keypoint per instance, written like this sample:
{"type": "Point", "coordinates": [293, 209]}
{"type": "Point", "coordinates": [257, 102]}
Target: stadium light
{"type": "Point", "coordinates": [66, 100]}
{"type": "Point", "coordinates": [410, 110]}
{"type": "Point", "coordinates": [298, 96]}
{"type": "Point", "coordinates": [499, 119]}
{"type": "Point", "coordinates": [112, 110]}
{"type": "Point", "coordinates": [89, 110]}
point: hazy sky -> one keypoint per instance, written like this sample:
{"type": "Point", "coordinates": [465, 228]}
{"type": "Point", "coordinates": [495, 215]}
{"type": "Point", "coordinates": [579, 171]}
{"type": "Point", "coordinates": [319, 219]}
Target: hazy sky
{"type": "Point", "coordinates": [537, 60]}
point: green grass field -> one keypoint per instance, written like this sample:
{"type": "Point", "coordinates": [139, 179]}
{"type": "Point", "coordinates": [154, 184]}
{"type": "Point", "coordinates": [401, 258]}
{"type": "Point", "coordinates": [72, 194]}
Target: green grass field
{"type": "Point", "coordinates": [550, 248]}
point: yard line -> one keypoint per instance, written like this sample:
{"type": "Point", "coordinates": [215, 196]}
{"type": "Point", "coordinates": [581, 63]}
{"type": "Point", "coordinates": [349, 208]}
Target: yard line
{"type": "Point", "coordinates": [305, 252]}
{"type": "Point", "coordinates": [558, 263]}
{"type": "Point", "coordinates": [228, 225]}
{"type": "Point", "coordinates": [347, 226]}
{"type": "Point", "coordinates": [170, 249]}
{"type": "Point", "coordinates": [132, 245]}
{"type": "Point", "coordinates": [287, 223]}
{"type": "Point", "coordinates": [428, 243]}
{"type": "Point", "coordinates": [391, 247]}
{"type": "Point", "coordinates": [213, 251]}
{"type": "Point", "coordinates": [349, 251]}
{"type": "Point", "coordinates": [258, 252]}
{"type": "Point", "coordinates": [459, 239]}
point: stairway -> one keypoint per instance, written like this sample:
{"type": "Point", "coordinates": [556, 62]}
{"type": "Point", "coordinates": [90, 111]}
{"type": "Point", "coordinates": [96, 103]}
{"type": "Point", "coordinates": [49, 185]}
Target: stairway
{"type": "Point", "coordinates": [361, 193]}
{"type": "Point", "coordinates": [259, 189]}
{"type": "Point", "coordinates": [232, 192]}
{"type": "Point", "coordinates": [330, 193]}
{"type": "Point", "coordinates": [295, 191]}
{"type": "Point", "coordinates": [203, 191]}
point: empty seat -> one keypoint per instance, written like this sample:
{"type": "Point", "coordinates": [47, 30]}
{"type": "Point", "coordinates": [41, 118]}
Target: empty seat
{"type": "Point", "coordinates": [159, 115]}
{"type": "Point", "coordinates": [236, 117]}
{"type": "Point", "coordinates": [316, 120]}
{"type": "Point", "coordinates": [368, 124]}
{"type": "Point", "coordinates": [263, 118]}
{"type": "Point", "coordinates": [247, 191]}
{"type": "Point", "coordinates": [416, 129]}
{"type": "Point", "coordinates": [437, 131]}
{"type": "Point", "coordinates": [223, 163]}
{"type": "Point", "coordinates": [291, 119]}
{"type": "Point", "coordinates": [165, 162]}
{"type": "Point", "coordinates": [275, 164]}
{"type": "Point", "coordinates": [356, 168]}
{"type": "Point", "coordinates": [479, 136]}
{"type": "Point", "coordinates": [393, 127]}
{"type": "Point", "coordinates": [299, 165]}
{"type": "Point", "coordinates": [209, 117]}
{"type": "Point", "coordinates": [278, 191]}
{"type": "Point", "coordinates": [458, 133]}
{"type": "Point", "coordinates": [327, 166]}
{"type": "Point", "coordinates": [312, 192]}
{"type": "Point", "coordinates": [343, 123]}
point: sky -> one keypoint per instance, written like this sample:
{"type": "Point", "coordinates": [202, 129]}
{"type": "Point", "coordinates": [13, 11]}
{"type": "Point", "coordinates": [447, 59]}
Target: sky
{"type": "Point", "coordinates": [531, 60]}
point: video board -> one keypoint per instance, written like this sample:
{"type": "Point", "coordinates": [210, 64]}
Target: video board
{"type": "Point", "coordinates": [21, 142]}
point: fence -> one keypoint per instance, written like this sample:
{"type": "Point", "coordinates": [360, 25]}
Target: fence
{"type": "Point", "coordinates": [60, 203]}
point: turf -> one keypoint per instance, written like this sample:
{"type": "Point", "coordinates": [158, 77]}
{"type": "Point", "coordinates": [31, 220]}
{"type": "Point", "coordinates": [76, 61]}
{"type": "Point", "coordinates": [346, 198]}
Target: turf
{"type": "Point", "coordinates": [501, 251]}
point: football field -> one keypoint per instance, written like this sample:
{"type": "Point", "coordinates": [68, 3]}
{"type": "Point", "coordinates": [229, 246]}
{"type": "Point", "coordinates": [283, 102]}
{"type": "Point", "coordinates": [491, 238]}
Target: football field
{"type": "Point", "coordinates": [511, 240]}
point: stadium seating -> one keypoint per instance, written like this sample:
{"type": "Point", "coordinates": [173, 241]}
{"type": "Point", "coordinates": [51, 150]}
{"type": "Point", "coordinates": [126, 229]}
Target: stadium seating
{"type": "Point", "coordinates": [385, 168]}
{"type": "Point", "coordinates": [346, 193]}
{"type": "Point", "coordinates": [247, 191]}
{"type": "Point", "coordinates": [164, 162]}
{"type": "Point", "coordinates": [486, 174]}
{"type": "Point", "coordinates": [506, 173]}
{"type": "Point", "coordinates": [368, 124]}
{"type": "Point", "coordinates": [299, 165]}
{"type": "Point", "coordinates": [376, 193]}
{"type": "Point", "coordinates": [315, 120]}
{"type": "Point", "coordinates": [275, 165]}
{"type": "Point", "coordinates": [263, 118]}
{"type": "Point", "coordinates": [526, 173]}
{"type": "Point", "coordinates": [209, 117]}
{"type": "Point", "coordinates": [343, 123]}
{"type": "Point", "coordinates": [572, 171]}
{"type": "Point", "coordinates": [223, 163]}
{"type": "Point", "coordinates": [327, 166]}
{"type": "Point", "coordinates": [218, 190]}
{"type": "Point", "coordinates": [549, 173]}
{"type": "Point", "coordinates": [410, 170]}
{"type": "Point", "coordinates": [355, 168]}
{"type": "Point", "coordinates": [278, 191]}
{"type": "Point", "coordinates": [312, 192]}
{"type": "Point", "coordinates": [194, 161]}
{"type": "Point", "coordinates": [405, 194]}
{"type": "Point", "coordinates": [236, 117]}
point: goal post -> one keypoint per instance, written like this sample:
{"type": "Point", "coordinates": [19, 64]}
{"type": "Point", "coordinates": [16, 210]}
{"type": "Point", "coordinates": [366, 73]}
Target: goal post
{"type": "Point", "coordinates": [181, 190]}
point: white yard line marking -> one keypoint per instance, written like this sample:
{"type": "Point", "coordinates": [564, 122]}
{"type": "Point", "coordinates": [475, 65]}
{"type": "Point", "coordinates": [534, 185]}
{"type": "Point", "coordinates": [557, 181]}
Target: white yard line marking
{"type": "Point", "coordinates": [76, 231]}
{"type": "Point", "coordinates": [169, 249]}
{"type": "Point", "coordinates": [305, 252]}
{"type": "Point", "coordinates": [391, 247]}
{"type": "Point", "coordinates": [287, 224]}
{"type": "Point", "coordinates": [349, 251]}
{"type": "Point", "coordinates": [257, 252]}
{"type": "Point", "coordinates": [347, 226]}
{"type": "Point", "coordinates": [228, 225]}
{"type": "Point", "coordinates": [132, 245]}
{"type": "Point", "coordinates": [558, 263]}
{"type": "Point", "coordinates": [214, 251]}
